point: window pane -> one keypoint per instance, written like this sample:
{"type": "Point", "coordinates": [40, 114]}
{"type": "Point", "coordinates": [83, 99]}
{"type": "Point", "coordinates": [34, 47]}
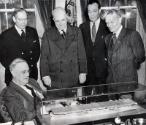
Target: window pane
{"type": "Point", "coordinates": [3, 21]}
{"type": "Point", "coordinates": [28, 3]}
{"type": "Point", "coordinates": [31, 19]}
{"type": "Point", "coordinates": [6, 17]}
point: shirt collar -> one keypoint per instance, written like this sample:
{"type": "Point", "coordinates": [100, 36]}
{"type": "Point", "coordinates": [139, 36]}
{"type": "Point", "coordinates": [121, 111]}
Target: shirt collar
{"type": "Point", "coordinates": [26, 90]}
{"type": "Point", "coordinates": [96, 24]}
{"type": "Point", "coordinates": [61, 31]}
{"type": "Point", "coordinates": [19, 30]}
{"type": "Point", "coordinates": [118, 32]}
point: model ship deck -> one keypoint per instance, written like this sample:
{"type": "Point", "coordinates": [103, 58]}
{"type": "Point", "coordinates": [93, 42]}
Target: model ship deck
{"type": "Point", "coordinates": [117, 105]}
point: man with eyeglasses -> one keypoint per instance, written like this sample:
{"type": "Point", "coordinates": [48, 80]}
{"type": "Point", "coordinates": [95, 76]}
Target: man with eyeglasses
{"type": "Point", "coordinates": [20, 41]}
{"type": "Point", "coordinates": [23, 95]}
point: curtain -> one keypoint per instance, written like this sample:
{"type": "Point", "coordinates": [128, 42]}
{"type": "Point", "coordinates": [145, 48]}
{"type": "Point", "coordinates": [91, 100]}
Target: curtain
{"type": "Point", "coordinates": [43, 11]}
{"type": "Point", "coordinates": [71, 10]}
{"type": "Point", "coordinates": [141, 5]}
{"type": "Point", "coordinates": [45, 8]}
{"type": "Point", "coordinates": [141, 28]}
{"type": "Point", "coordinates": [83, 4]}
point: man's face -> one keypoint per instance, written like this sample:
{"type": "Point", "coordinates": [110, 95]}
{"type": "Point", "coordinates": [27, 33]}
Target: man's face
{"type": "Point", "coordinates": [113, 22]}
{"type": "Point", "coordinates": [20, 19]}
{"type": "Point", "coordinates": [93, 12]}
{"type": "Point", "coordinates": [20, 73]}
{"type": "Point", "coordinates": [60, 20]}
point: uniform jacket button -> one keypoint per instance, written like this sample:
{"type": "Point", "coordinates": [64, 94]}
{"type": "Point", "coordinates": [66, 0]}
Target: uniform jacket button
{"type": "Point", "coordinates": [22, 53]}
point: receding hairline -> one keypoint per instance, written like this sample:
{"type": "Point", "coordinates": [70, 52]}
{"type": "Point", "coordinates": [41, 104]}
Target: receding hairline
{"type": "Point", "coordinates": [58, 9]}
{"type": "Point", "coordinates": [15, 62]}
{"type": "Point", "coordinates": [16, 11]}
{"type": "Point", "coordinates": [112, 12]}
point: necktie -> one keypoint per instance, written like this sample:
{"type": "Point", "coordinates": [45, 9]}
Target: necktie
{"type": "Point", "coordinates": [93, 32]}
{"type": "Point", "coordinates": [23, 35]}
{"type": "Point", "coordinates": [63, 34]}
{"type": "Point", "coordinates": [114, 38]}
{"type": "Point", "coordinates": [32, 90]}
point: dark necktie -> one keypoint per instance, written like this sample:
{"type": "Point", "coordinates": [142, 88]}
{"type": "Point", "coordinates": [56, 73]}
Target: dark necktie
{"type": "Point", "coordinates": [114, 38]}
{"type": "Point", "coordinates": [23, 35]}
{"type": "Point", "coordinates": [93, 32]}
{"type": "Point", "coordinates": [32, 90]}
{"type": "Point", "coordinates": [63, 34]}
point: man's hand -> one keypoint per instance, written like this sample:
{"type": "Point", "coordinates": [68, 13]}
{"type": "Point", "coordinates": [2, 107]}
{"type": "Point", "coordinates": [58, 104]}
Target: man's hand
{"type": "Point", "coordinates": [47, 80]}
{"type": "Point", "coordinates": [82, 77]}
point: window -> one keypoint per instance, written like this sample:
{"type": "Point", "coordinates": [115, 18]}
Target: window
{"type": "Point", "coordinates": [128, 7]}
{"type": "Point", "coordinates": [7, 8]}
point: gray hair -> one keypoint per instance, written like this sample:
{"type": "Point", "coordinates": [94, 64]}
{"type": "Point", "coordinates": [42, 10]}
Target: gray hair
{"type": "Point", "coordinates": [17, 10]}
{"type": "Point", "coordinates": [15, 62]}
{"type": "Point", "coordinates": [57, 9]}
{"type": "Point", "coordinates": [111, 12]}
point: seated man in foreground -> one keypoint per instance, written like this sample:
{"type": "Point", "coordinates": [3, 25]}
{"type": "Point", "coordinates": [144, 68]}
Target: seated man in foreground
{"type": "Point", "coordinates": [23, 96]}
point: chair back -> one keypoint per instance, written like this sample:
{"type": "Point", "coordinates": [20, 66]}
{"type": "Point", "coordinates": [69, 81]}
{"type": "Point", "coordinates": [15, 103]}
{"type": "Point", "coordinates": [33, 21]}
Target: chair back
{"type": "Point", "coordinates": [3, 109]}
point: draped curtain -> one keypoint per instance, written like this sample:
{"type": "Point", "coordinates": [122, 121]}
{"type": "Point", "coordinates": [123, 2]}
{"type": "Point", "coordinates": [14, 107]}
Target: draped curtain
{"type": "Point", "coordinates": [45, 8]}
{"type": "Point", "coordinates": [141, 28]}
{"type": "Point", "coordinates": [83, 4]}
{"type": "Point", "coordinates": [141, 4]}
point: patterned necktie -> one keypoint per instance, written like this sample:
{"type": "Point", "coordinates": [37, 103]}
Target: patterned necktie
{"type": "Point", "coordinates": [93, 32]}
{"type": "Point", "coordinates": [114, 38]}
{"type": "Point", "coordinates": [23, 35]}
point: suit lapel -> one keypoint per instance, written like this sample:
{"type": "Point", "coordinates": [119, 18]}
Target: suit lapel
{"type": "Point", "coordinates": [88, 30]}
{"type": "Point", "coordinates": [110, 47]}
{"type": "Point", "coordinates": [99, 32]}
{"type": "Point", "coordinates": [15, 33]}
{"type": "Point", "coordinates": [120, 39]}
{"type": "Point", "coordinates": [24, 94]}
{"type": "Point", "coordinates": [70, 35]}
{"type": "Point", "coordinates": [122, 34]}
{"type": "Point", "coordinates": [57, 39]}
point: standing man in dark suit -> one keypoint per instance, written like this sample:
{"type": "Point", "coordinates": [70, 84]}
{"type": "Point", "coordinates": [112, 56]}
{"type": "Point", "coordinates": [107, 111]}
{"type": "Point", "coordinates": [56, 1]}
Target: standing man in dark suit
{"type": "Point", "coordinates": [125, 50]}
{"type": "Point", "coordinates": [20, 41]}
{"type": "Point", "coordinates": [63, 58]}
{"type": "Point", "coordinates": [94, 31]}
{"type": "Point", "coordinates": [125, 54]}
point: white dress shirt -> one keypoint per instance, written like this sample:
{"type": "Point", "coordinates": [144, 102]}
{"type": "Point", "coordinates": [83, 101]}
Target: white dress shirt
{"type": "Point", "coordinates": [19, 30]}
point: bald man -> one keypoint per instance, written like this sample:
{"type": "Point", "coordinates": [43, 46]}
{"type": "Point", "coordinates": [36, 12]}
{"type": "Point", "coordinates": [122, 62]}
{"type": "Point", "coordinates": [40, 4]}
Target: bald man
{"type": "Point", "coordinates": [63, 59]}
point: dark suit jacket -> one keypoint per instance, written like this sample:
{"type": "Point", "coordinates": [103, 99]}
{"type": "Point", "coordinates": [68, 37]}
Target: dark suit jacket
{"type": "Point", "coordinates": [12, 46]}
{"type": "Point", "coordinates": [63, 59]}
{"type": "Point", "coordinates": [19, 103]}
{"type": "Point", "coordinates": [125, 57]}
{"type": "Point", "coordinates": [96, 54]}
